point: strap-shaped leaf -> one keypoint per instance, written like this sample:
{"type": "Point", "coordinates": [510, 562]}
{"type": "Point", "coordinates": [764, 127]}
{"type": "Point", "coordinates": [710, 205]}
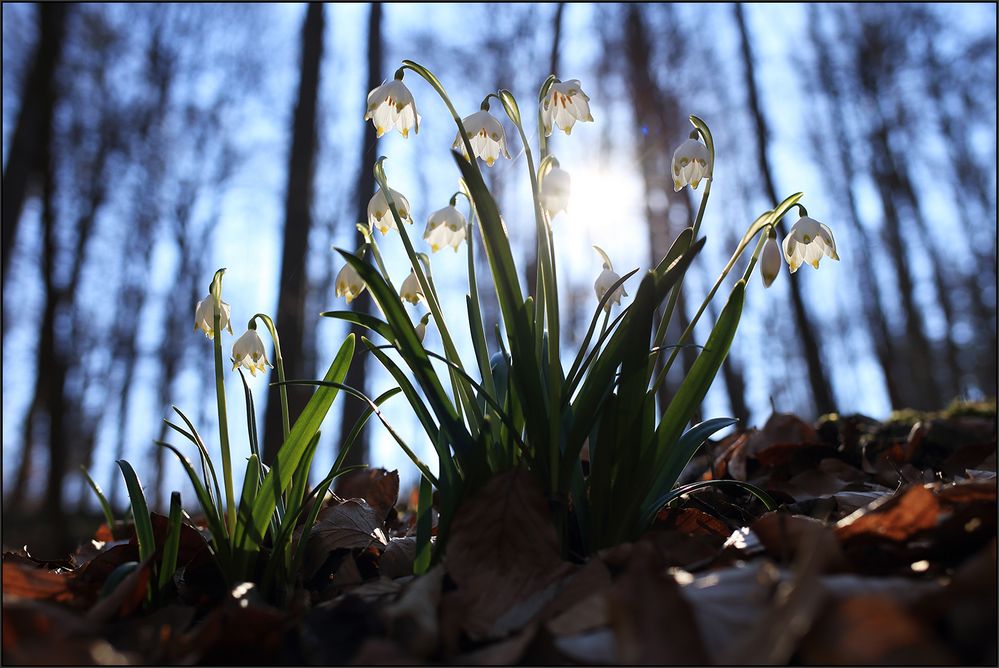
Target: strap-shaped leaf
{"type": "Point", "coordinates": [669, 460]}
{"type": "Point", "coordinates": [414, 354]}
{"type": "Point", "coordinates": [140, 511]}
{"type": "Point", "coordinates": [526, 366]}
{"type": "Point", "coordinates": [279, 477]}
{"type": "Point", "coordinates": [768, 501]}
{"type": "Point", "coordinates": [424, 518]}
{"type": "Point", "coordinates": [101, 499]}
{"type": "Point", "coordinates": [219, 544]}
{"type": "Point", "coordinates": [366, 320]}
{"type": "Point", "coordinates": [171, 546]}
{"type": "Point", "coordinates": [600, 379]}
{"type": "Point", "coordinates": [691, 440]}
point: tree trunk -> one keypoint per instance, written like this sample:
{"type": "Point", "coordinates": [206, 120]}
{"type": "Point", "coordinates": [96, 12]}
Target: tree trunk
{"type": "Point", "coordinates": [869, 289]}
{"type": "Point", "coordinates": [532, 262]}
{"type": "Point", "coordinates": [657, 108]}
{"type": "Point", "coordinates": [33, 121]}
{"type": "Point", "coordinates": [298, 219]}
{"type": "Point", "coordinates": [817, 378]}
{"type": "Point", "coordinates": [364, 189]}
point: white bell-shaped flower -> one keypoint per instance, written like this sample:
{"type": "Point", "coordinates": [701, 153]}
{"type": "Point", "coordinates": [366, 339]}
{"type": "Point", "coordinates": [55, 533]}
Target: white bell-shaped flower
{"type": "Point", "coordinates": [392, 105]}
{"type": "Point", "coordinates": [555, 191]}
{"type": "Point", "coordinates": [379, 214]}
{"type": "Point", "coordinates": [691, 163]}
{"type": "Point", "coordinates": [421, 327]}
{"type": "Point", "coordinates": [807, 242]}
{"type": "Point", "coordinates": [770, 261]}
{"type": "Point", "coordinates": [606, 280]}
{"type": "Point", "coordinates": [485, 134]}
{"type": "Point", "coordinates": [204, 315]}
{"type": "Point", "coordinates": [411, 290]}
{"type": "Point", "coordinates": [565, 104]}
{"type": "Point", "coordinates": [445, 227]}
{"type": "Point", "coordinates": [248, 351]}
{"type": "Point", "coordinates": [349, 283]}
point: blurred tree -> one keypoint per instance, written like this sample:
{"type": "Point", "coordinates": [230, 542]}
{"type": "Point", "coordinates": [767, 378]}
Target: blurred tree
{"type": "Point", "coordinates": [33, 122]}
{"type": "Point", "coordinates": [363, 190]}
{"type": "Point", "coordinates": [531, 274]}
{"type": "Point", "coordinates": [817, 378]}
{"type": "Point", "coordinates": [657, 110]}
{"type": "Point", "coordinates": [290, 320]}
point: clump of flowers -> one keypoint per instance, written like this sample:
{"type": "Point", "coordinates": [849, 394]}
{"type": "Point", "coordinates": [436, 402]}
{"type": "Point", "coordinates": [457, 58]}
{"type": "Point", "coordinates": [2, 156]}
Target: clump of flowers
{"type": "Point", "coordinates": [526, 402]}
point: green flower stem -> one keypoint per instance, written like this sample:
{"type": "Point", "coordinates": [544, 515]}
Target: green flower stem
{"type": "Point", "coordinates": [756, 255]}
{"type": "Point", "coordinates": [216, 292]}
{"type": "Point", "coordinates": [675, 292]}
{"type": "Point", "coordinates": [547, 299]}
{"type": "Point", "coordinates": [690, 328]}
{"type": "Point", "coordinates": [279, 366]}
{"type": "Point", "coordinates": [437, 86]}
{"type": "Point", "coordinates": [377, 254]}
{"type": "Point", "coordinates": [477, 331]}
{"type": "Point", "coordinates": [767, 219]}
{"type": "Point", "coordinates": [550, 294]}
{"type": "Point", "coordinates": [463, 394]}
{"type": "Point", "coordinates": [542, 137]}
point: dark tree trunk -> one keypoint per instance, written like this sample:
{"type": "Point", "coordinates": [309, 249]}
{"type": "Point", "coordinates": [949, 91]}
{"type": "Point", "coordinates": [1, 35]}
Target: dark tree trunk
{"type": "Point", "coordinates": [870, 290]}
{"type": "Point", "coordinates": [298, 220]}
{"type": "Point", "coordinates": [364, 189]}
{"type": "Point", "coordinates": [658, 109]}
{"type": "Point", "coordinates": [33, 121]}
{"type": "Point", "coordinates": [532, 262]}
{"type": "Point", "coordinates": [817, 378]}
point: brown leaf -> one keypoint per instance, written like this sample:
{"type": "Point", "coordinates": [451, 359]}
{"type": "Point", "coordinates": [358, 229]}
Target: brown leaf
{"type": "Point", "coordinates": [897, 519]}
{"type": "Point", "coordinates": [781, 429]}
{"type": "Point", "coordinates": [872, 630]}
{"type": "Point", "coordinates": [351, 524]}
{"type": "Point", "coordinates": [34, 583]}
{"type": "Point", "coordinates": [127, 596]}
{"type": "Point", "coordinates": [397, 559]}
{"type": "Point", "coordinates": [413, 620]}
{"type": "Point", "coordinates": [502, 550]}
{"type": "Point", "coordinates": [652, 622]}
{"type": "Point", "coordinates": [691, 521]}
{"type": "Point", "coordinates": [380, 488]}
{"type": "Point", "coordinates": [785, 536]}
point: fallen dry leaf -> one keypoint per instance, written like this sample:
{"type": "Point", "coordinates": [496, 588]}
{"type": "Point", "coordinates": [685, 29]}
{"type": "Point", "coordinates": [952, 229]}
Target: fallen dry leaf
{"type": "Point", "coordinates": [348, 525]}
{"type": "Point", "coordinates": [872, 629]}
{"type": "Point", "coordinates": [502, 551]}
{"type": "Point", "coordinates": [377, 486]}
{"type": "Point", "coordinates": [652, 621]}
{"type": "Point", "coordinates": [24, 581]}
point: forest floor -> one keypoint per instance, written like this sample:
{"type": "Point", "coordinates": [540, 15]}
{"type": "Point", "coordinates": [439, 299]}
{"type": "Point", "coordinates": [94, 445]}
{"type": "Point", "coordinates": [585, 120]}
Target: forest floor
{"type": "Point", "coordinates": [883, 551]}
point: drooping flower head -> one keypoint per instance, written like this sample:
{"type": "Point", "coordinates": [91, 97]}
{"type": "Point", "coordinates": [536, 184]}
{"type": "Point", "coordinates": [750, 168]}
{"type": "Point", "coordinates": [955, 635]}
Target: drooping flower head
{"type": "Point", "coordinates": [445, 227]}
{"type": "Point", "coordinates": [555, 191]}
{"type": "Point", "coordinates": [770, 260]}
{"type": "Point", "coordinates": [204, 315]}
{"type": "Point", "coordinates": [485, 134]}
{"type": "Point", "coordinates": [421, 327]}
{"type": "Point", "coordinates": [349, 283]}
{"type": "Point", "coordinates": [606, 280]}
{"type": "Point", "coordinates": [691, 163]}
{"type": "Point", "coordinates": [565, 104]}
{"type": "Point", "coordinates": [391, 105]}
{"type": "Point", "coordinates": [807, 242]}
{"type": "Point", "coordinates": [411, 290]}
{"type": "Point", "coordinates": [248, 351]}
{"type": "Point", "coordinates": [379, 214]}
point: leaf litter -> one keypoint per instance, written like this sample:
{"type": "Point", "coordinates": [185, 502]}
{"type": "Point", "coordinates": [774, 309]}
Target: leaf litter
{"type": "Point", "coordinates": [882, 550]}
